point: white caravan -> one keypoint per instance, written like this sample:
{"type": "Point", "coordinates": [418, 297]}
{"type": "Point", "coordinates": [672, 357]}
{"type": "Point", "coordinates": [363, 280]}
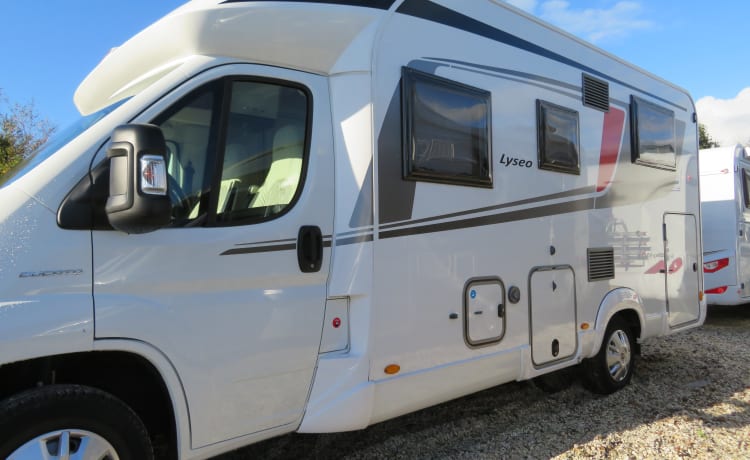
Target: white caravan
{"type": "Point", "coordinates": [725, 207]}
{"type": "Point", "coordinates": [313, 216]}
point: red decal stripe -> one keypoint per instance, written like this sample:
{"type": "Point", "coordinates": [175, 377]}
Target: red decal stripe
{"type": "Point", "coordinates": [614, 123]}
{"type": "Point", "coordinates": [660, 267]}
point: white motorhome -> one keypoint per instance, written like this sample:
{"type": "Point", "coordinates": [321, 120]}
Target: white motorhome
{"type": "Point", "coordinates": [725, 208]}
{"type": "Point", "coordinates": [313, 216]}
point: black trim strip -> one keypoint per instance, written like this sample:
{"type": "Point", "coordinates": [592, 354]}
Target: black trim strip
{"type": "Point", "coordinates": [379, 4]}
{"type": "Point", "coordinates": [429, 11]}
{"type": "Point", "coordinates": [512, 216]}
{"type": "Point", "coordinates": [569, 193]}
{"type": "Point", "coordinates": [288, 240]}
{"type": "Point", "coordinates": [259, 249]}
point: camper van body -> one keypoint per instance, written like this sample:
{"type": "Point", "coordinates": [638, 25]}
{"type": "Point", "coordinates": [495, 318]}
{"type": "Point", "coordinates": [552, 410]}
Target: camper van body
{"type": "Point", "coordinates": [482, 198]}
{"type": "Point", "coordinates": [725, 207]}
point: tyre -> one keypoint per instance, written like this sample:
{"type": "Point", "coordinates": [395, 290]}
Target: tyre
{"type": "Point", "coordinates": [612, 367]}
{"type": "Point", "coordinates": [71, 421]}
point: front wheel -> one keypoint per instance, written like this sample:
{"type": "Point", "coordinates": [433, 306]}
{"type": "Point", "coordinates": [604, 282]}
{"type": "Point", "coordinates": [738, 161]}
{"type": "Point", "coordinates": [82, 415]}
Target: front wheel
{"type": "Point", "coordinates": [71, 422]}
{"type": "Point", "coordinates": [612, 368]}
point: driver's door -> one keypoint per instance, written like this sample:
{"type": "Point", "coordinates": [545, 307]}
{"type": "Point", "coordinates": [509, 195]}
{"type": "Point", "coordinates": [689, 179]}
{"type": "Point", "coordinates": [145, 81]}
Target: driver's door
{"type": "Point", "coordinates": [222, 292]}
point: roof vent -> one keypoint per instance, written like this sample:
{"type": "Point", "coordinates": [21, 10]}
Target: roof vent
{"type": "Point", "coordinates": [601, 264]}
{"type": "Point", "coordinates": [595, 93]}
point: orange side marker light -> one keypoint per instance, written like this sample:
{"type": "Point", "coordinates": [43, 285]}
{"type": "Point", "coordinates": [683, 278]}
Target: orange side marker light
{"type": "Point", "coordinates": [392, 369]}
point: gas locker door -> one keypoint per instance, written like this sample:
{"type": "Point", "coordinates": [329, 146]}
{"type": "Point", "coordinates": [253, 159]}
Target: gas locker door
{"type": "Point", "coordinates": [233, 292]}
{"type": "Point", "coordinates": [682, 270]}
{"type": "Point", "coordinates": [552, 305]}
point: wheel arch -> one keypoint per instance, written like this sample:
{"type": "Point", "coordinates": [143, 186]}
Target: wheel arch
{"type": "Point", "coordinates": [131, 371]}
{"type": "Point", "coordinates": [621, 302]}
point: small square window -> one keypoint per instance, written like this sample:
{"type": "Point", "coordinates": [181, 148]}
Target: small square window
{"type": "Point", "coordinates": [446, 131]}
{"type": "Point", "coordinates": [653, 135]}
{"type": "Point", "coordinates": [558, 138]}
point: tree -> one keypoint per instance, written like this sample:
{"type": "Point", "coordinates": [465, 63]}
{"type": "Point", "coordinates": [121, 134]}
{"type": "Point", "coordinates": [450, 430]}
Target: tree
{"type": "Point", "coordinates": [22, 131]}
{"type": "Point", "coordinates": [705, 141]}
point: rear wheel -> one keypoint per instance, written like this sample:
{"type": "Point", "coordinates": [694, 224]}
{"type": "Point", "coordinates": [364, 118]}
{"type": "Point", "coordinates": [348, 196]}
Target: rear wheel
{"type": "Point", "coordinates": [71, 422]}
{"type": "Point", "coordinates": [612, 368]}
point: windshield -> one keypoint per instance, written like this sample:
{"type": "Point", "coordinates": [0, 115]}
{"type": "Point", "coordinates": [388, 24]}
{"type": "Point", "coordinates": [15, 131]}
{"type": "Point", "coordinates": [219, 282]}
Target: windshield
{"type": "Point", "coordinates": [55, 143]}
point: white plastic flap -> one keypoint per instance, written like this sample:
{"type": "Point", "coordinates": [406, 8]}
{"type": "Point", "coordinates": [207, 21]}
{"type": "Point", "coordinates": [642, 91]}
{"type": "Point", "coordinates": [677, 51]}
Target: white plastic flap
{"type": "Point", "coordinates": [335, 326]}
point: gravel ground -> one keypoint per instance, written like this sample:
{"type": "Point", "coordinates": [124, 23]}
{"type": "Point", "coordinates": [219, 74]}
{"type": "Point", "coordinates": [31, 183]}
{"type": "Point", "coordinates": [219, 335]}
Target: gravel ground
{"type": "Point", "coordinates": [689, 398]}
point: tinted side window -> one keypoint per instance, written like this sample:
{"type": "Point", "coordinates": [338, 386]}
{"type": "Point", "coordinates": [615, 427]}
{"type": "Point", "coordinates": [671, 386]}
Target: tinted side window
{"type": "Point", "coordinates": [446, 130]}
{"type": "Point", "coordinates": [264, 151]}
{"type": "Point", "coordinates": [189, 128]}
{"type": "Point", "coordinates": [653, 134]}
{"type": "Point", "coordinates": [558, 138]}
{"type": "Point", "coordinates": [236, 151]}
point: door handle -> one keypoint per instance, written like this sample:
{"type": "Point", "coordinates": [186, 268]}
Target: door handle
{"type": "Point", "coordinates": [309, 249]}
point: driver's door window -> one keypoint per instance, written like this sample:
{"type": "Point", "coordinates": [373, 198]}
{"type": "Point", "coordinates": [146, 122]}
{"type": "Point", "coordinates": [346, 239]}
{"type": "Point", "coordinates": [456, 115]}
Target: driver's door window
{"type": "Point", "coordinates": [259, 128]}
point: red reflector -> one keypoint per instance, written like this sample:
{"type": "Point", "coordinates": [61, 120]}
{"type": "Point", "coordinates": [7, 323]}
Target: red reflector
{"type": "Point", "coordinates": [715, 265]}
{"type": "Point", "coordinates": [336, 323]}
{"type": "Point", "coordinates": [718, 290]}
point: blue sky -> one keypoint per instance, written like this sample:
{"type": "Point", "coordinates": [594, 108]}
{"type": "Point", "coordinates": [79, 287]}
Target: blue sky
{"type": "Point", "coordinates": [697, 45]}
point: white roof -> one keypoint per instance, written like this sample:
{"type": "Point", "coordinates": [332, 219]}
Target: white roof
{"type": "Point", "coordinates": [313, 37]}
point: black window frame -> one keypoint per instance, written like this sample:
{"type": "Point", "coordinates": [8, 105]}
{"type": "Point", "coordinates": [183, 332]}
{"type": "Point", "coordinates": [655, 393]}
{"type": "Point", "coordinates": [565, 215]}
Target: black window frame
{"type": "Point", "coordinates": [542, 107]}
{"type": "Point", "coordinates": [635, 104]}
{"type": "Point", "coordinates": [746, 187]}
{"type": "Point", "coordinates": [409, 79]}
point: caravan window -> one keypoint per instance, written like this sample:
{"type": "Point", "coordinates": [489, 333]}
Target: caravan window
{"type": "Point", "coordinates": [446, 131]}
{"type": "Point", "coordinates": [558, 138]}
{"type": "Point", "coordinates": [653, 134]}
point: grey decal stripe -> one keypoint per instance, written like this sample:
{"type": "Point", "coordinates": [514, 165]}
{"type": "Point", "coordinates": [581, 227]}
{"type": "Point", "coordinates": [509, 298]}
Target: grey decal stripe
{"type": "Point", "coordinates": [521, 77]}
{"type": "Point", "coordinates": [359, 231]}
{"type": "Point", "coordinates": [514, 73]}
{"type": "Point", "coordinates": [354, 240]}
{"type": "Point", "coordinates": [395, 195]}
{"type": "Point", "coordinates": [539, 199]}
{"type": "Point", "coordinates": [362, 214]}
{"type": "Point", "coordinates": [290, 246]}
{"type": "Point", "coordinates": [429, 11]}
{"type": "Point", "coordinates": [512, 216]}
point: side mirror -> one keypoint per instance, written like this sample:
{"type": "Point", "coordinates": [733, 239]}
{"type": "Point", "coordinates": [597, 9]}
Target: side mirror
{"type": "Point", "coordinates": [138, 192]}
